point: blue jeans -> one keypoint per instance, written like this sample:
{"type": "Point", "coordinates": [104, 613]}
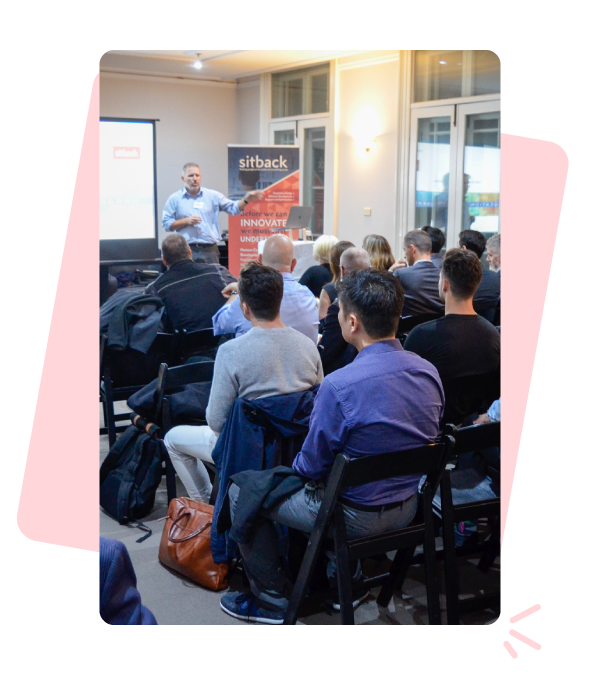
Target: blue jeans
{"type": "Point", "coordinates": [261, 556]}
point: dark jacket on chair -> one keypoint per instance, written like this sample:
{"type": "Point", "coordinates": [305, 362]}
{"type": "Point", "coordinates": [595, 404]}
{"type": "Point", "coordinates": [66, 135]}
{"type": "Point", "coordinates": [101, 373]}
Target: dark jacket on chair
{"type": "Point", "coordinates": [250, 440]}
{"type": "Point", "coordinates": [134, 321]}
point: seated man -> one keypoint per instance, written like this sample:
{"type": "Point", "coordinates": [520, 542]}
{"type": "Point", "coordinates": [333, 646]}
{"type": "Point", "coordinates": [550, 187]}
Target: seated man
{"type": "Point", "coordinates": [420, 278]}
{"type": "Point", "coordinates": [268, 360]}
{"type": "Point", "coordinates": [493, 253]}
{"type": "Point", "coordinates": [334, 350]}
{"type": "Point", "coordinates": [461, 343]}
{"type": "Point", "coordinates": [487, 295]}
{"type": "Point", "coordinates": [387, 399]}
{"type": "Point", "coordinates": [298, 307]}
{"type": "Point", "coordinates": [438, 239]}
{"type": "Point", "coordinates": [191, 291]}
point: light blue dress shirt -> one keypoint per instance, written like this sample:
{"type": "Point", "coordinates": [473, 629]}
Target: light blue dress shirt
{"type": "Point", "coordinates": [298, 310]}
{"type": "Point", "coordinates": [207, 205]}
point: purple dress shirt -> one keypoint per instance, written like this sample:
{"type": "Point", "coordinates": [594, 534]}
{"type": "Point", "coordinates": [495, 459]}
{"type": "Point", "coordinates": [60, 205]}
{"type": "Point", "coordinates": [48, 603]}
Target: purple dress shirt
{"type": "Point", "coordinates": [387, 399]}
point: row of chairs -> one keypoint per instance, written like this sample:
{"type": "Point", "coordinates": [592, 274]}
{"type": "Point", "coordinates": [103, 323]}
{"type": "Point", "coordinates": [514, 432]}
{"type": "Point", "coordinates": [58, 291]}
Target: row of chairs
{"type": "Point", "coordinates": [124, 372]}
{"type": "Point", "coordinates": [429, 460]}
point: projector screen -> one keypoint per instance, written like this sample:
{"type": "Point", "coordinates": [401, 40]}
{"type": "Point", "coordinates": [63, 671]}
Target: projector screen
{"type": "Point", "coordinates": [128, 227]}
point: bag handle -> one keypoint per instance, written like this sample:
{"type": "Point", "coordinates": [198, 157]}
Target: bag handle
{"type": "Point", "coordinates": [189, 536]}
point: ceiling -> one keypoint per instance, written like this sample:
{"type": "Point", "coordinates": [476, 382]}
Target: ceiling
{"type": "Point", "coordinates": [221, 65]}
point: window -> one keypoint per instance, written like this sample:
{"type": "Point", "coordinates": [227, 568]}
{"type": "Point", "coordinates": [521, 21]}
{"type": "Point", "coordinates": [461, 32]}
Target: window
{"type": "Point", "coordinates": [300, 92]}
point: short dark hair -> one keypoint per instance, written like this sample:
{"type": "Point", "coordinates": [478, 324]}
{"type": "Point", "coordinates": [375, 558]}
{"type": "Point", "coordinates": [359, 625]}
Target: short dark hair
{"type": "Point", "coordinates": [376, 297]}
{"type": "Point", "coordinates": [261, 288]}
{"type": "Point", "coordinates": [464, 271]}
{"type": "Point", "coordinates": [187, 166]}
{"type": "Point", "coordinates": [174, 249]}
{"type": "Point", "coordinates": [419, 239]}
{"type": "Point", "coordinates": [437, 236]}
{"type": "Point", "coordinates": [472, 240]}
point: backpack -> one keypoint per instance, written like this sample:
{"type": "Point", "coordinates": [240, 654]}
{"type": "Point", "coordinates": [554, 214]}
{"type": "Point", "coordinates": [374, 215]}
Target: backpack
{"type": "Point", "coordinates": [130, 475]}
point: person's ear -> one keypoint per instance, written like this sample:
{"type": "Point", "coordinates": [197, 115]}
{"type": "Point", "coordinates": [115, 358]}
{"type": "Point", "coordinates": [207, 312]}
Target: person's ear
{"type": "Point", "coordinates": [260, 258]}
{"type": "Point", "coordinates": [464, 248]}
{"type": "Point", "coordinates": [190, 254]}
{"type": "Point", "coordinates": [354, 322]}
{"type": "Point", "coordinates": [165, 263]}
{"type": "Point", "coordinates": [245, 310]}
{"type": "Point", "coordinates": [294, 261]}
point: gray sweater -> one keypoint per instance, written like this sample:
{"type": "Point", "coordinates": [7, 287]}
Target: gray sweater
{"type": "Point", "coordinates": [263, 362]}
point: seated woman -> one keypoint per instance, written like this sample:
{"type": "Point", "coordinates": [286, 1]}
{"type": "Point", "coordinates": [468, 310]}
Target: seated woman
{"type": "Point", "coordinates": [317, 276]}
{"type": "Point", "coordinates": [329, 292]}
{"type": "Point", "coordinates": [380, 252]}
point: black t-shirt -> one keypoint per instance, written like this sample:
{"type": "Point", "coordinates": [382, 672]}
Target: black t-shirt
{"type": "Point", "coordinates": [458, 345]}
{"type": "Point", "coordinates": [331, 291]}
{"type": "Point", "coordinates": [316, 277]}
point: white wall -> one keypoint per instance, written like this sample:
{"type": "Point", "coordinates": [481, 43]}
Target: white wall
{"type": "Point", "coordinates": [367, 179]}
{"type": "Point", "coordinates": [248, 112]}
{"type": "Point", "coordinates": [197, 121]}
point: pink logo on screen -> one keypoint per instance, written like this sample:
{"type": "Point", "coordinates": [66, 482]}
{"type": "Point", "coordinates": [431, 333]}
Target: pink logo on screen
{"type": "Point", "coordinates": [126, 153]}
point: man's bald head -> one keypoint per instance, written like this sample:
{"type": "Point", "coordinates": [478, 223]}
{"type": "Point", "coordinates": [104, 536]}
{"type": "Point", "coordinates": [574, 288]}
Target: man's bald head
{"type": "Point", "coordinates": [354, 259]}
{"type": "Point", "coordinates": [278, 253]}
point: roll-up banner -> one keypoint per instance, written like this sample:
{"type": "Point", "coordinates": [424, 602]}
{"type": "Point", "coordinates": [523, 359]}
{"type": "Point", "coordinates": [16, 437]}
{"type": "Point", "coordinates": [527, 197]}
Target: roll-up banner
{"type": "Point", "coordinates": [274, 169]}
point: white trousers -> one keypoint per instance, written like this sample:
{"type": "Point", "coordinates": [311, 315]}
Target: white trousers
{"type": "Point", "coordinates": [188, 448]}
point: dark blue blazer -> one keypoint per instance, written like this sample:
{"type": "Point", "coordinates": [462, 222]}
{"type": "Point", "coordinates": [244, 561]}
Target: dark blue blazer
{"type": "Point", "coordinates": [249, 440]}
{"type": "Point", "coordinates": [120, 601]}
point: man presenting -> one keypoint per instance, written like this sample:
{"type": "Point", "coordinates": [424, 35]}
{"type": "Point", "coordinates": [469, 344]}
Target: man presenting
{"type": "Point", "coordinates": [193, 212]}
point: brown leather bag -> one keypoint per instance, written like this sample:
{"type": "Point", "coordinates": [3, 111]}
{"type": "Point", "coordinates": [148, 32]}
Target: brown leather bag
{"type": "Point", "coordinates": [185, 544]}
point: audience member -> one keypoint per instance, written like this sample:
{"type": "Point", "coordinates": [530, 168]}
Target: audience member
{"type": "Point", "coordinates": [438, 239]}
{"type": "Point", "coordinates": [317, 276]}
{"type": "Point", "coordinates": [335, 351]}
{"type": "Point", "coordinates": [493, 253]}
{"type": "Point", "coordinates": [379, 250]}
{"type": "Point", "coordinates": [485, 300]}
{"type": "Point", "coordinates": [421, 278]}
{"type": "Point", "coordinates": [298, 307]}
{"type": "Point", "coordinates": [191, 291]}
{"type": "Point", "coordinates": [462, 343]}
{"type": "Point", "coordinates": [329, 292]}
{"type": "Point", "coordinates": [120, 601]}
{"type": "Point", "coordinates": [270, 359]}
{"type": "Point", "coordinates": [386, 400]}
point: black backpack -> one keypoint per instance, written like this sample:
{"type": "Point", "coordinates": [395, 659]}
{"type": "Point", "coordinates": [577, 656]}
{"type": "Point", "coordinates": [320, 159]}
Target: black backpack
{"type": "Point", "coordinates": [130, 475]}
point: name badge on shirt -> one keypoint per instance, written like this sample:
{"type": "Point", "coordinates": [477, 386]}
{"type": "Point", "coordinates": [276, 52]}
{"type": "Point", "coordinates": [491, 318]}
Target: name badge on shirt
{"type": "Point", "coordinates": [198, 205]}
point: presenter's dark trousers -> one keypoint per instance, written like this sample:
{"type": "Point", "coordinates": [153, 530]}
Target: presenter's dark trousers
{"type": "Point", "coordinates": [206, 253]}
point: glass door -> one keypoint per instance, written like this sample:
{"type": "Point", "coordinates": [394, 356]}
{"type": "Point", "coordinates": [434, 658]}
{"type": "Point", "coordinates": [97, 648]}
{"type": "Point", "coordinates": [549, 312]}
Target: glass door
{"type": "Point", "coordinates": [455, 168]}
{"type": "Point", "coordinates": [479, 163]}
{"type": "Point", "coordinates": [311, 136]}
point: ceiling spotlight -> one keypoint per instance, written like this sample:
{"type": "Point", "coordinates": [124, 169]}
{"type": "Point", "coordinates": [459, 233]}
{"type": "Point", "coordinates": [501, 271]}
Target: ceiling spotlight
{"type": "Point", "coordinates": [197, 64]}
{"type": "Point", "coordinates": [443, 63]}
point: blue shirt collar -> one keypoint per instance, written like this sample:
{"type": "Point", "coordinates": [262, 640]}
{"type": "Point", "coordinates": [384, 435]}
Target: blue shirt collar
{"type": "Point", "coordinates": [288, 276]}
{"type": "Point", "coordinates": [380, 348]}
{"type": "Point", "coordinates": [186, 194]}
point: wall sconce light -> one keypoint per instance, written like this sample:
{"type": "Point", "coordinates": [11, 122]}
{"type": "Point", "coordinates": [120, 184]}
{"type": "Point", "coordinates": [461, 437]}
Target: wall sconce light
{"type": "Point", "coordinates": [365, 129]}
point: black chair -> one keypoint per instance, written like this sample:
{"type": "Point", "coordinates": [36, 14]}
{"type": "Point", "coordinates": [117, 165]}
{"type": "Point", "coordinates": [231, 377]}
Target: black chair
{"type": "Point", "coordinates": [171, 379]}
{"type": "Point", "coordinates": [407, 323]}
{"type": "Point", "coordinates": [196, 343]}
{"type": "Point", "coordinates": [469, 394]}
{"type": "Point", "coordinates": [453, 510]}
{"type": "Point", "coordinates": [427, 460]}
{"type": "Point", "coordinates": [125, 371]}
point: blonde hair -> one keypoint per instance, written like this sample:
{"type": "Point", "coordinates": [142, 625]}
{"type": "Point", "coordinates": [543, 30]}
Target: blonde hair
{"type": "Point", "coordinates": [380, 252]}
{"type": "Point", "coordinates": [323, 246]}
{"type": "Point", "coordinates": [334, 258]}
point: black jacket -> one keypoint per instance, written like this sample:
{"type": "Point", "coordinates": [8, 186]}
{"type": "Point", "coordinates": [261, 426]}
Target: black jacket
{"type": "Point", "coordinates": [191, 293]}
{"type": "Point", "coordinates": [421, 293]}
{"type": "Point", "coordinates": [131, 320]}
{"type": "Point", "coordinates": [334, 350]}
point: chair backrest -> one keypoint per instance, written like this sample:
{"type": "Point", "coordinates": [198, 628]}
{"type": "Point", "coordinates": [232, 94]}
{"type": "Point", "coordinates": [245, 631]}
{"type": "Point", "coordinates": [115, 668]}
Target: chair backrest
{"type": "Point", "coordinates": [407, 323]}
{"type": "Point", "coordinates": [195, 342]}
{"type": "Point", "coordinates": [129, 368]}
{"type": "Point", "coordinates": [171, 378]}
{"type": "Point", "coordinates": [474, 438]}
{"type": "Point", "coordinates": [469, 394]}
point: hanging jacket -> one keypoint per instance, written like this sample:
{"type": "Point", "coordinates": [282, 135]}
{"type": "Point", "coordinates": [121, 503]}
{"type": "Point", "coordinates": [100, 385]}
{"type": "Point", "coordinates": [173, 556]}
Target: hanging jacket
{"type": "Point", "coordinates": [133, 321]}
{"type": "Point", "coordinates": [251, 439]}
{"type": "Point", "coordinates": [187, 404]}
